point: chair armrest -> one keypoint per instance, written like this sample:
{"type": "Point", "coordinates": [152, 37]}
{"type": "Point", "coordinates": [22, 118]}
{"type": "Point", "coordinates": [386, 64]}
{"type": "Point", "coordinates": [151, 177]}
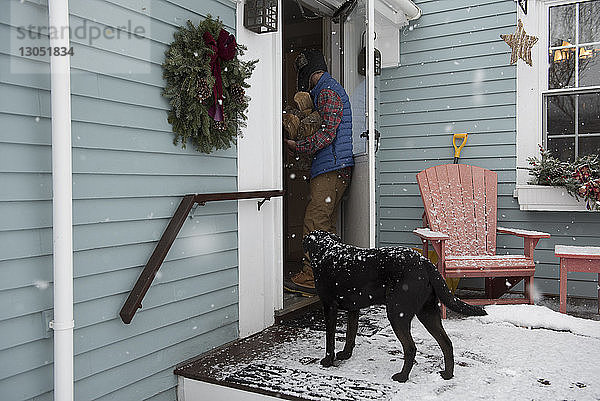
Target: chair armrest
{"type": "Point", "coordinates": [427, 234]}
{"type": "Point", "coordinates": [522, 233]}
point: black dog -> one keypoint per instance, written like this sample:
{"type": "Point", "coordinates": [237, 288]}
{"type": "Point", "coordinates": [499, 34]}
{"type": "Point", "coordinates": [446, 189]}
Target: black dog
{"type": "Point", "coordinates": [351, 278]}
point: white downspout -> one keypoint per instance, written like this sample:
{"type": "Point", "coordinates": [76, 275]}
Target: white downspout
{"type": "Point", "coordinates": [62, 210]}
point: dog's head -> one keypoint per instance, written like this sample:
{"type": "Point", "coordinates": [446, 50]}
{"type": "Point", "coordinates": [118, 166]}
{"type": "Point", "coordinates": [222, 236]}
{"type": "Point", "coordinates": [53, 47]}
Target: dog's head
{"type": "Point", "coordinates": [317, 242]}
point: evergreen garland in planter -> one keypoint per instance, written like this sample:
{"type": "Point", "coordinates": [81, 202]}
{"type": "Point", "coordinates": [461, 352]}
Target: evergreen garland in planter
{"type": "Point", "coordinates": [581, 178]}
{"type": "Point", "coordinates": [191, 86]}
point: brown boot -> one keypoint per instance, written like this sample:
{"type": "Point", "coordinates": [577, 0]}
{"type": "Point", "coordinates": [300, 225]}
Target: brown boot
{"type": "Point", "coordinates": [302, 283]}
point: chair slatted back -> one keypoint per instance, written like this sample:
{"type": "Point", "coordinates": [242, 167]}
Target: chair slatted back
{"type": "Point", "coordinates": [461, 201]}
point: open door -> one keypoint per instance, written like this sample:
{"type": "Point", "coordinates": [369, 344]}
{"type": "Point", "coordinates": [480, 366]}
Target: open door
{"type": "Point", "coordinates": [358, 78]}
{"type": "Point", "coordinates": [337, 28]}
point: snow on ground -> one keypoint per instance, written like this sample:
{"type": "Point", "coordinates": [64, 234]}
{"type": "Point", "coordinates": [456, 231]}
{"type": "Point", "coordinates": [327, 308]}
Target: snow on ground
{"type": "Point", "coordinates": [515, 353]}
{"type": "Point", "coordinates": [540, 317]}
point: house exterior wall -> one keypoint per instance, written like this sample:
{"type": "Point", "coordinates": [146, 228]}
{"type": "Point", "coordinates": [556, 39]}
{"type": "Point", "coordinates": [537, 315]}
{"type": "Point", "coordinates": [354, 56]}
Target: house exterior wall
{"type": "Point", "coordinates": [128, 179]}
{"type": "Point", "coordinates": [454, 77]}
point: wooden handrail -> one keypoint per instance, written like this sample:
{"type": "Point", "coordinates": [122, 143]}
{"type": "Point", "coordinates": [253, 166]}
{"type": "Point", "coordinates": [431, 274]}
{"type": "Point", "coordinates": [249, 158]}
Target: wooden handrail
{"type": "Point", "coordinates": [134, 300]}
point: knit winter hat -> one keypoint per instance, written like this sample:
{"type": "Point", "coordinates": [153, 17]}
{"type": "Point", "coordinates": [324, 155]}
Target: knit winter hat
{"type": "Point", "coordinates": [307, 63]}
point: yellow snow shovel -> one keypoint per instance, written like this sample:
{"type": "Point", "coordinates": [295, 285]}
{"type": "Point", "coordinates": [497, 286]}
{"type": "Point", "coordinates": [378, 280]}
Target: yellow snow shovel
{"type": "Point", "coordinates": [453, 282]}
{"type": "Point", "coordinates": [457, 149]}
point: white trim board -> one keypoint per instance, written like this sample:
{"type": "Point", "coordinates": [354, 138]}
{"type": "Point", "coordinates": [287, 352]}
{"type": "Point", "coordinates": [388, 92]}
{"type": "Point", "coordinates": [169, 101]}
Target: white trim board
{"type": "Point", "coordinates": [260, 233]}
{"type": "Point", "coordinates": [530, 80]}
{"type": "Point", "coordinates": [196, 390]}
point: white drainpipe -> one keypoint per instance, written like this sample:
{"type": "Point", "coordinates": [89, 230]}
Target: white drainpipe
{"type": "Point", "coordinates": [62, 210]}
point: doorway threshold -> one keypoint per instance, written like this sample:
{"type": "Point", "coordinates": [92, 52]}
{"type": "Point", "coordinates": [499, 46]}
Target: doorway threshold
{"type": "Point", "coordinates": [295, 305]}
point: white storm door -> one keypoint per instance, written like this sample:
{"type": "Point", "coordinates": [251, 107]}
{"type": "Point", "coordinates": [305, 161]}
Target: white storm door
{"type": "Point", "coordinates": [359, 212]}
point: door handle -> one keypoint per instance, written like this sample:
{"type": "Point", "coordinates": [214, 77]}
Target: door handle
{"type": "Point", "coordinates": [377, 137]}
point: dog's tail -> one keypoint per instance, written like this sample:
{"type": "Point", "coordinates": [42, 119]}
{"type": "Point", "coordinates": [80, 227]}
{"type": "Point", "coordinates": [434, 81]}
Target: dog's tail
{"type": "Point", "coordinates": [447, 298]}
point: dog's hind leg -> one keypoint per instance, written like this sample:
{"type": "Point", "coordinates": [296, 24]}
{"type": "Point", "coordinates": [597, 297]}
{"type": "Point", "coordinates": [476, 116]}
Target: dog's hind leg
{"type": "Point", "coordinates": [351, 331]}
{"type": "Point", "coordinates": [430, 317]}
{"type": "Point", "coordinates": [330, 312]}
{"type": "Point", "coordinates": [401, 325]}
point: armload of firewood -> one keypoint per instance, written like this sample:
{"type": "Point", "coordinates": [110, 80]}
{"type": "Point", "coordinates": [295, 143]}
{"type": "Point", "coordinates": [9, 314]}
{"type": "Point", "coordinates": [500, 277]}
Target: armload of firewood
{"type": "Point", "coordinates": [301, 120]}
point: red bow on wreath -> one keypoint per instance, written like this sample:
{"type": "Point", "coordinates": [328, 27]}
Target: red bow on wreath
{"type": "Point", "coordinates": [224, 48]}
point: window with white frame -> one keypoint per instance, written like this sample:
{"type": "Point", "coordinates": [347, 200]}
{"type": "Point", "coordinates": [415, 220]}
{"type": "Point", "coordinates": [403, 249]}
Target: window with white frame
{"type": "Point", "coordinates": [558, 97]}
{"type": "Point", "coordinates": [571, 99]}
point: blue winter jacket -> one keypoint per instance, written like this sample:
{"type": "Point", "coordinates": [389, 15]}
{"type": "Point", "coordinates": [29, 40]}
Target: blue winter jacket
{"type": "Point", "coordinates": [338, 154]}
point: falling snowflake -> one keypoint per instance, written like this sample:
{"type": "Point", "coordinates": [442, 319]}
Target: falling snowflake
{"type": "Point", "coordinates": [41, 284]}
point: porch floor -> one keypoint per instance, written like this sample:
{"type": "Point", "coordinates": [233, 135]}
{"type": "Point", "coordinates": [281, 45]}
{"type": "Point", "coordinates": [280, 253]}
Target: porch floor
{"type": "Point", "coordinates": [556, 362]}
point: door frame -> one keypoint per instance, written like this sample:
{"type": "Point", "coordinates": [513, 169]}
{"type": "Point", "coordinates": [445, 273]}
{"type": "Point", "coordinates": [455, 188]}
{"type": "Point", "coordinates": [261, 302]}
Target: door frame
{"type": "Point", "coordinates": [260, 233]}
{"type": "Point", "coordinates": [359, 206]}
{"type": "Point", "coordinates": [371, 117]}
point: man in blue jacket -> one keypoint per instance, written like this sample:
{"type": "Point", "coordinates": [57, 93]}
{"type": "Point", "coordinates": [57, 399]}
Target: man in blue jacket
{"type": "Point", "coordinates": [331, 148]}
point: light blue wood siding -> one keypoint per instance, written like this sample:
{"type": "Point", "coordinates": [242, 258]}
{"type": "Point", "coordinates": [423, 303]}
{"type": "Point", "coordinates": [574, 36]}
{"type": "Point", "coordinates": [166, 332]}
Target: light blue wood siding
{"type": "Point", "coordinates": [455, 77]}
{"type": "Point", "coordinates": [128, 179]}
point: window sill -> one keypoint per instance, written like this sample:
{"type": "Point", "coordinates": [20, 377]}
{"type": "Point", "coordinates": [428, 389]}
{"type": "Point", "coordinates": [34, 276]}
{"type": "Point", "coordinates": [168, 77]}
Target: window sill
{"type": "Point", "coordinates": [546, 198]}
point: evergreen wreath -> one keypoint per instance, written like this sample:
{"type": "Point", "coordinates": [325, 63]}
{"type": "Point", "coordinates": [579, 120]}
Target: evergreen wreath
{"type": "Point", "coordinates": [194, 61]}
{"type": "Point", "coordinates": [580, 178]}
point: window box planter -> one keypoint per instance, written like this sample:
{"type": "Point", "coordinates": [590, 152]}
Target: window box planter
{"type": "Point", "coordinates": [546, 198]}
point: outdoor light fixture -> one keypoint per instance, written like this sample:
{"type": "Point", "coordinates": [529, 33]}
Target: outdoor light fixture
{"type": "Point", "coordinates": [260, 16]}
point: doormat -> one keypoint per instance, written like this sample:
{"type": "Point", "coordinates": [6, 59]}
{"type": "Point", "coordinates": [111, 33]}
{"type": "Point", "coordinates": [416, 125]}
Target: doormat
{"type": "Point", "coordinates": [308, 385]}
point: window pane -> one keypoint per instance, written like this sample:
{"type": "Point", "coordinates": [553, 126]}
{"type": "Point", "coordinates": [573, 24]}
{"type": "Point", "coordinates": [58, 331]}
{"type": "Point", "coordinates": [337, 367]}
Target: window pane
{"type": "Point", "coordinates": [561, 73]}
{"type": "Point", "coordinates": [589, 113]}
{"type": "Point", "coordinates": [589, 65]}
{"type": "Point", "coordinates": [562, 25]}
{"type": "Point", "coordinates": [562, 148]}
{"type": "Point", "coordinates": [560, 115]}
{"type": "Point", "coordinates": [589, 145]}
{"type": "Point", "coordinates": [589, 22]}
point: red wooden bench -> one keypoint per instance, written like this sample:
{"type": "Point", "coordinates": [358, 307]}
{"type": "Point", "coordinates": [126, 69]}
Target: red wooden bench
{"type": "Point", "coordinates": [460, 218]}
{"type": "Point", "coordinates": [576, 259]}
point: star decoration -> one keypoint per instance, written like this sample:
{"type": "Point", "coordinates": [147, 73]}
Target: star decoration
{"type": "Point", "coordinates": [521, 44]}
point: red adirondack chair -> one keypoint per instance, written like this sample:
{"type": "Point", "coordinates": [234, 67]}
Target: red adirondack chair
{"type": "Point", "coordinates": [460, 221]}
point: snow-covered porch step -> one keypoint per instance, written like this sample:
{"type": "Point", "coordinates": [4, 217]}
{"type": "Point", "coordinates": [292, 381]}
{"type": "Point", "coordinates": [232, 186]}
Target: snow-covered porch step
{"type": "Point", "coordinates": [516, 352]}
{"type": "Point", "coordinates": [273, 382]}
{"type": "Point", "coordinates": [237, 371]}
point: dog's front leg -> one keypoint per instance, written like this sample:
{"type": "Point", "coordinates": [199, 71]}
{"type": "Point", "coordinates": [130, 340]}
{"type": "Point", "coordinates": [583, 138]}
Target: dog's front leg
{"type": "Point", "coordinates": [351, 331]}
{"type": "Point", "coordinates": [330, 312]}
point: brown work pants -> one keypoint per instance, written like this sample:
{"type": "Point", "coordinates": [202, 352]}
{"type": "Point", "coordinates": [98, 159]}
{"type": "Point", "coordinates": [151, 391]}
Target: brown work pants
{"type": "Point", "coordinates": [326, 191]}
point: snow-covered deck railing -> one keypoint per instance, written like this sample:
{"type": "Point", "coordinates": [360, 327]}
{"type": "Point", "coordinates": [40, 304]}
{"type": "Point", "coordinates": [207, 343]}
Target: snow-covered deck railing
{"type": "Point", "coordinates": [430, 235]}
{"type": "Point", "coordinates": [523, 233]}
{"type": "Point", "coordinates": [134, 300]}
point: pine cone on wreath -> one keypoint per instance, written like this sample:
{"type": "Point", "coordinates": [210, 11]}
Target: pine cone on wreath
{"type": "Point", "coordinates": [238, 93]}
{"type": "Point", "coordinates": [220, 125]}
{"type": "Point", "coordinates": [204, 91]}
